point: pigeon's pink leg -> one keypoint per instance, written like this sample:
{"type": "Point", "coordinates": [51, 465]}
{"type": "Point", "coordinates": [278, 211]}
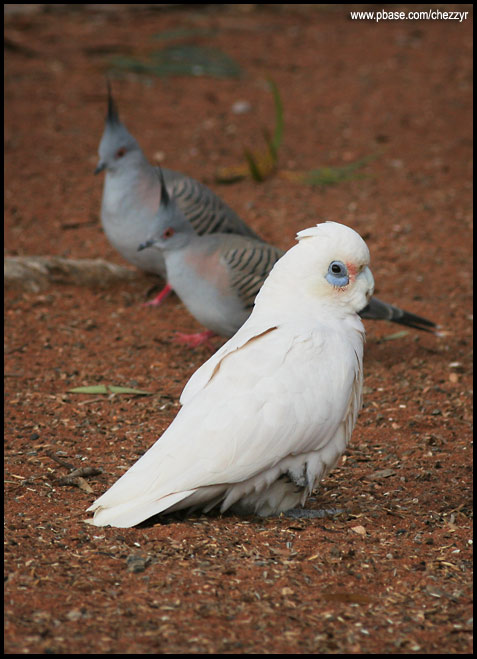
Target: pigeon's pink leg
{"type": "Point", "coordinates": [160, 297]}
{"type": "Point", "coordinates": [194, 340]}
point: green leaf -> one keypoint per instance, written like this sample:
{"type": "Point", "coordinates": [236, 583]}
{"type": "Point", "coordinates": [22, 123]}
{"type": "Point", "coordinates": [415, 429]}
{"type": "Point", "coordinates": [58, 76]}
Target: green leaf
{"type": "Point", "coordinates": [396, 335]}
{"type": "Point", "coordinates": [260, 163]}
{"type": "Point", "coordinates": [108, 389]}
{"type": "Point", "coordinates": [182, 60]}
{"type": "Point", "coordinates": [276, 140]}
{"type": "Point", "coordinates": [253, 166]}
{"type": "Point", "coordinates": [333, 175]}
{"type": "Point", "coordinates": [185, 33]}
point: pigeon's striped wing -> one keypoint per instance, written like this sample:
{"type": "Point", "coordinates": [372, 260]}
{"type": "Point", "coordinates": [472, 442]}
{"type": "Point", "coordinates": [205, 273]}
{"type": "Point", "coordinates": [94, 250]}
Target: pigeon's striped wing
{"type": "Point", "coordinates": [207, 212]}
{"type": "Point", "coordinates": [248, 267]}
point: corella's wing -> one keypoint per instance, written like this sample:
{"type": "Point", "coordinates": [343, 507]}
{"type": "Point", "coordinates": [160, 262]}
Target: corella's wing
{"type": "Point", "coordinates": [145, 489]}
{"type": "Point", "coordinates": [304, 383]}
{"type": "Point", "coordinates": [250, 331]}
{"type": "Point", "coordinates": [268, 397]}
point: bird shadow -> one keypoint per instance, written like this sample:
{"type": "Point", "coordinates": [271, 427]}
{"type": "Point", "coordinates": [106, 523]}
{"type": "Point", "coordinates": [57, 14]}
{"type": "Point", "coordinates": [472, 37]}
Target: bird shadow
{"type": "Point", "coordinates": [164, 519]}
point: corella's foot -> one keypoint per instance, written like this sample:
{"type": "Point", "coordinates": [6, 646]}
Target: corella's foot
{"type": "Point", "coordinates": [160, 297]}
{"type": "Point", "coordinates": [195, 340]}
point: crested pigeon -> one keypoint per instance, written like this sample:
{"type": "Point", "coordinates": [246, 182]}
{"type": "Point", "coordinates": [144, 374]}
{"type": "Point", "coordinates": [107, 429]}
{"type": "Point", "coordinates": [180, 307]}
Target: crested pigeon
{"type": "Point", "coordinates": [131, 196]}
{"type": "Point", "coordinates": [218, 276]}
{"type": "Point", "coordinates": [271, 412]}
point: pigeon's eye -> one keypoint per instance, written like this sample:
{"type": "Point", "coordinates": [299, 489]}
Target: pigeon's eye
{"type": "Point", "coordinates": [337, 274]}
{"type": "Point", "coordinates": [168, 233]}
{"type": "Point", "coordinates": [120, 152]}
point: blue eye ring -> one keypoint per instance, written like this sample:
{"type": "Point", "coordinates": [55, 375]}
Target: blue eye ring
{"type": "Point", "coordinates": [337, 274]}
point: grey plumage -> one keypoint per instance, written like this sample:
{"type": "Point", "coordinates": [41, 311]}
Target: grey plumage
{"type": "Point", "coordinates": [131, 196]}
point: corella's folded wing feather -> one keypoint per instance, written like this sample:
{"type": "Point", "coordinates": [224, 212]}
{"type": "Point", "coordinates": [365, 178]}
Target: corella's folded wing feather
{"type": "Point", "coordinates": [249, 332]}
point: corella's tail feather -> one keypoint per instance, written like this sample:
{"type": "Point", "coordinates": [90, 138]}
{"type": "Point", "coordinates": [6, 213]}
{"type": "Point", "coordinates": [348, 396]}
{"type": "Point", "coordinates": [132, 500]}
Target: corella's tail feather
{"type": "Point", "coordinates": [134, 511]}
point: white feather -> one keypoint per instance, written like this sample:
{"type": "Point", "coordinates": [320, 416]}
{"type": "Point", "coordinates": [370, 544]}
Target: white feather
{"type": "Point", "coordinates": [281, 397]}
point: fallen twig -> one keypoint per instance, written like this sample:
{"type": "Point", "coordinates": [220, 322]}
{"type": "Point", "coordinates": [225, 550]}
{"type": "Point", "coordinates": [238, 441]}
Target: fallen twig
{"type": "Point", "coordinates": [77, 482]}
{"type": "Point", "coordinates": [76, 476]}
{"type": "Point", "coordinates": [96, 400]}
{"type": "Point", "coordinates": [85, 471]}
{"type": "Point", "coordinates": [35, 273]}
{"type": "Point", "coordinates": [63, 463]}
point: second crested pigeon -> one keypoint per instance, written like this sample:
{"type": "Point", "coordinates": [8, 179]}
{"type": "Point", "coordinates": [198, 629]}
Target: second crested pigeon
{"type": "Point", "coordinates": [131, 197]}
{"type": "Point", "coordinates": [218, 276]}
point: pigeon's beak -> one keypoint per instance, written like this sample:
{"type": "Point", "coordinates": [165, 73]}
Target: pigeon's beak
{"type": "Point", "coordinates": [100, 167]}
{"type": "Point", "coordinates": [148, 243]}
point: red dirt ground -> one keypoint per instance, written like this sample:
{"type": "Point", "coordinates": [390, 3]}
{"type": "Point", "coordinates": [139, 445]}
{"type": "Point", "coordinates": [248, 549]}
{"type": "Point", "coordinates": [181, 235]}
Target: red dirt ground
{"type": "Point", "coordinates": [392, 574]}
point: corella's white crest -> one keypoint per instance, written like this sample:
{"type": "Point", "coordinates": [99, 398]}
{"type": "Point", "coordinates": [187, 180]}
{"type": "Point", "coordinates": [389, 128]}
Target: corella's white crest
{"type": "Point", "coordinates": [267, 416]}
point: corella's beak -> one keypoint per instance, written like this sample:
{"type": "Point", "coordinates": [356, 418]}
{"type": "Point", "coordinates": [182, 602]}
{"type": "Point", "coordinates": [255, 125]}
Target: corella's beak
{"type": "Point", "coordinates": [100, 167]}
{"type": "Point", "coordinates": [148, 243]}
{"type": "Point", "coordinates": [368, 275]}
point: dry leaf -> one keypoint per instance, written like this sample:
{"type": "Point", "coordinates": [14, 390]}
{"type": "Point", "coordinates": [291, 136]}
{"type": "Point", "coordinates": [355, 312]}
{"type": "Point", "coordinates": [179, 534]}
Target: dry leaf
{"type": "Point", "coordinates": [360, 530]}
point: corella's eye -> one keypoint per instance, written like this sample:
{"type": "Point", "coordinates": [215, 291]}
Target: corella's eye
{"type": "Point", "coordinates": [168, 233]}
{"type": "Point", "coordinates": [120, 152]}
{"type": "Point", "coordinates": [337, 274]}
